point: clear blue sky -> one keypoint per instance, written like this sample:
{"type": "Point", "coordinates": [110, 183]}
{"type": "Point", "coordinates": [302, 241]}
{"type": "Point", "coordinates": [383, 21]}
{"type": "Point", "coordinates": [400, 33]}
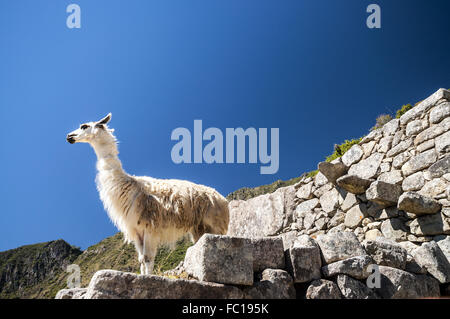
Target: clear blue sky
{"type": "Point", "coordinates": [311, 68]}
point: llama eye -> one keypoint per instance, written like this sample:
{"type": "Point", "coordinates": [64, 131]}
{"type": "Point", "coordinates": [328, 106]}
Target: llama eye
{"type": "Point", "coordinates": [84, 126]}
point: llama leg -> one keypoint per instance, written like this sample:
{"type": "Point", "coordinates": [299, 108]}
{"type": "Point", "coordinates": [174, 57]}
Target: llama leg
{"type": "Point", "coordinates": [150, 247]}
{"type": "Point", "coordinates": [139, 245]}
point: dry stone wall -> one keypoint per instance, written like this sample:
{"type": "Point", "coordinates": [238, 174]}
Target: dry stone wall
{"type": "Point", "coordinates": [395, 183]}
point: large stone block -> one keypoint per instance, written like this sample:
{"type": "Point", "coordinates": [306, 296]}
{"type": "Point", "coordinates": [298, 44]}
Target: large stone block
{"type": "Point", "coordinates": [354, 184]}
{"type": "Point", "coordinates": [303, 260]}
{"type": "Point", "coordinates": [368, 167]}
{"type": "Point", "coordinates": [399, 148]}
{"type": "Point", "coordinates": [413, 182]}
{"type": "Point", "coordinates": [112, 284]}
{"type": "Point", "coordinates": [355, 267]}
{"type": "Point", "coordinates": [273, 284]}
{"type": "Point", "coordinates": [430, 225]}
{"type": "Point", "coordinates": [72, 293]}
{"type": "Point", "coordinates": [440, 168]}
{"type": "Point", "coordinates": [431, 257]}
{"type": "Point", "coordinates": [399, 284]}
{"type": "Point", "coordinates": [330, 200]}
{"type": "Point", "coordinates": [395, 229]}
{"type": "Point", "coordinates": [353, 155]}
{"type": "Point", "coordinates": [353, 289]}
{"type": "Point", "coordinates": [355, 215]}
{"type": "Point", "coordinates": [382, 193]}
{"type": "Point", "coordinates": [338, 246]}
{"type": "Point", "coordinates": [386, 253]}
{"type": "Point", "coordinates": [443, 143]}
{"type": "Point", "coordinates": [306, 207]}
{"type": "Point", "coordinates": [419, 162]}
{"type": "Point", "coordinates": [221, 259]}
{"type": "Point", "coordinates": [417, 204]}
{"type": "Point", "coordinates": [265, 215]}
{"type": "Point", "coordinates": [268, 252]}
{"type": "Point", "coordinates": [332, 171]}
{"type": "Point", "coordinates": [440, 112]}
{"type": "Point", "coordinates": [323, 289]}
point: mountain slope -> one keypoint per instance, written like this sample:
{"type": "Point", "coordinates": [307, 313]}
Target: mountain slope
{"type": "Point", "coordinates": [38, 271]}
{"type": "Point", "coordinates": [27, 271]}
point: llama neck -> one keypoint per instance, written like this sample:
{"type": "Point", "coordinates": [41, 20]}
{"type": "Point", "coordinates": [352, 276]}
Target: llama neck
{"type": "Point", "coordinates": [107, 157]}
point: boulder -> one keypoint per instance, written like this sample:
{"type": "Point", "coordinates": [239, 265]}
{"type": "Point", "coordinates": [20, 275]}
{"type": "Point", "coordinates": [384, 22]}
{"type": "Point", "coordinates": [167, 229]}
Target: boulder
{"type": "Point", "coordinates": [221, 259]}
{"type": "Point", "coordinates": [320, 180]}
{"type": "Point", "coordinates": [443, 143]}
{"type": "Point", "coordinates": [355, 267]}
{"type": "Point", "coordinates": [401, 159]}
{"type": "Point", "coordinates": [373, 234]}
{"type": "Point", "coordinates": [415, 127]}
{"type": "Point", "coordinates": [399, 148]}
{"type": "Point", "coordinates": [338, 246]}
{"type": "Point", "coordinates": [431, 257]}
{"type": "Point", "coordinates": [305, 191]}
{"type": "Point", "coordinates": [433, 131]}
{"type": "Point", "coordinates": [265, 215]}
{"type": "Point", "coordinates": [349, 201]}
{"type": "Point", "coordinates": [354, 184]}
{"type": "Point", "coordinates": [385, 144]}
{"type": "Point", "coordinates": [306, 207]}
{"type": "Point", "coordinates": [417, 204]}
{"type": "Point", "coordinates": [438, 113]}
{"type": "Point", "coordinates": [368, 167]}
{"type": "Point", "coordinates": [352, 156]}
{"type": "Point", "coordinates": [430, 225]}
{"type": "Point", "coordinates": [444, 244]}
{"type": "Point", "coordinates": [380, 213]}
{"type": "Point", "coordinates": [395, 229]}
{"type": "Point", "coordinates": [413, 182]}
{"type": "Point", "coordinates": [273, 284]}
{"type": "Point", "coordinates": [392, 177]}
{"type": "Point", "coordinates": [336, 220]}
{"type": "Point", "coordinates": [323, 289]}
{"type": "Point", "coordinates": [383, 193]}
{"type": "Point", "coordinates": [386, 253]}
{"type": "Point", "coordinates": [303, 260]}
{"type": "Point", "coordinates": [329, 201]}
{"type": "Point", "coordinates": [268, 252]}
{"type": "Point", "coordinates": [353, 289]}
{"type": "Point", "coordinates": [332, 171]}
{"type": "Point", "coordinates": [390, 127]}
{"type": "Point", "coordinates": [434, 188]}
{"type": "Point", "coordinates": [399, 284]}
{"type": "Point", "coordinates": [355, 215]}
{"type": "Point", "coordinates": [419, 162]}
{"type": "Point", "coordinates": [112, 284]}
{"type": "Point", "coordinates": [71, 293]}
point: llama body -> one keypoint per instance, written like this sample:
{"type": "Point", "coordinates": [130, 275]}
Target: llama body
{"type": "Point", "coordinates": [149, 211]}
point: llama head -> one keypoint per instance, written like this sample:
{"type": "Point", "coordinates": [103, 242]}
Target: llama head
{"type": "Point", "coordinates": [93, 133]}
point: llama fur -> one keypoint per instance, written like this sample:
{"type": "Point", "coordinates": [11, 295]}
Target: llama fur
{"type": "Point", "coordinates": [150, 212]}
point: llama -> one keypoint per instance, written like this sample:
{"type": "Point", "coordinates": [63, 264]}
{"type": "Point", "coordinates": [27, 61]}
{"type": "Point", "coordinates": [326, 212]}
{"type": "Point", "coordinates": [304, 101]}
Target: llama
{"type": "Point", "coordinates": [150, 212]}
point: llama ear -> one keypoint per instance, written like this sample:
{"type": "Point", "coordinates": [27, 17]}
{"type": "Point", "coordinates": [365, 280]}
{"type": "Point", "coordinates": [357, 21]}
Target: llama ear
{"type": "Point", "coordinates": [105, 120]}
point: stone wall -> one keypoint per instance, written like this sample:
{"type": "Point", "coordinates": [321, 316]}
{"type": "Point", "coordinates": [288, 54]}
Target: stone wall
{"type": "Point", "coordinates": [395, 183]}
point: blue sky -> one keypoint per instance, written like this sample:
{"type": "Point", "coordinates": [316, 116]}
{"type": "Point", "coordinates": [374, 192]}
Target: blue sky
{"type": "Point", "coordinates": [311, 68]}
